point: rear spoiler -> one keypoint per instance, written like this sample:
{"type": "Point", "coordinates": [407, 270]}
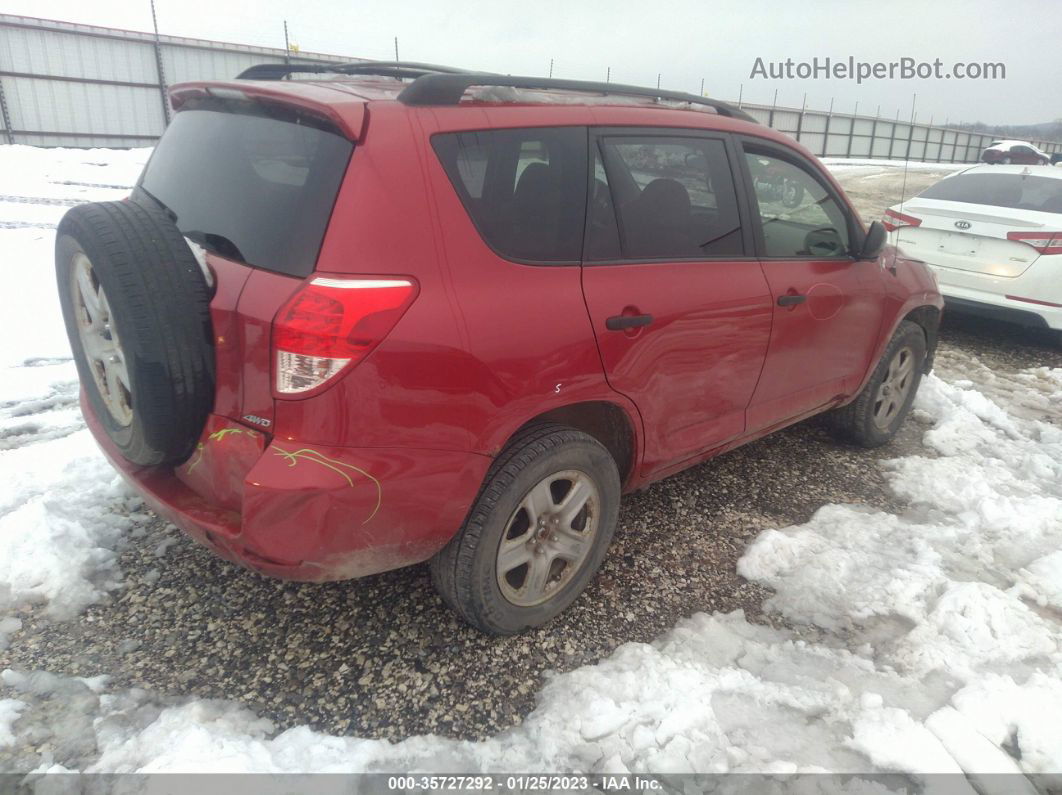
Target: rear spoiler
{"type": "Point", "coordinates": [343, 111]}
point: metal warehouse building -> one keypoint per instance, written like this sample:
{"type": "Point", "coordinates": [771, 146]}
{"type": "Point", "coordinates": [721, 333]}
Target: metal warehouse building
{"type": "Point", "coordinates": [65, 84]}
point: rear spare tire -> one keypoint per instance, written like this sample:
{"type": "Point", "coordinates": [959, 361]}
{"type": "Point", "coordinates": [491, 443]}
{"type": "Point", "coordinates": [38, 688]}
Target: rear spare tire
{"type": "Point", "coordinates": [136, 306]}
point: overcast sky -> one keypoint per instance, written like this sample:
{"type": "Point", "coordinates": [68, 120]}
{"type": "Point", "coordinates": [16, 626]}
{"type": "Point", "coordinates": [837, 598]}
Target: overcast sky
{"type": "Point", "coordinates": [714, 40]}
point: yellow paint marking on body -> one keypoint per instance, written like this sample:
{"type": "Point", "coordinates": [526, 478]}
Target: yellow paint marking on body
{"type": "Point", "coordinates": [307, 454]}
{"type": "Point", "coordinates": [198, 458]}
{"type": "Point", "coordinates": [217, 436]}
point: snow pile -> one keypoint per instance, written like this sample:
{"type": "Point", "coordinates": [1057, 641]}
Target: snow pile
{"type": "Point", "coordinates": [964, 589]}
{"type": "Point", "coordinates": [63, 510]}
{"type": "Point", "coordinates": [9, 712]}
{"type": "Point", "coordinates": [62, 514]}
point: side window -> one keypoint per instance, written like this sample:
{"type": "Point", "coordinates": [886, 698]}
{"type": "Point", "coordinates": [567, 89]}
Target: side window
{"type": "Point", "coordinates": [673, 197]}
{"type": "Point", "coordinates": [799, 218]}
{"type": "Point", "coordinates": [524, 189]}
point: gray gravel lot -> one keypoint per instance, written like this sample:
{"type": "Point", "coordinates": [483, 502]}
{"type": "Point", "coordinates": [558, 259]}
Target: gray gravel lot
{"type": "Point", "coordinates": [382, 657]}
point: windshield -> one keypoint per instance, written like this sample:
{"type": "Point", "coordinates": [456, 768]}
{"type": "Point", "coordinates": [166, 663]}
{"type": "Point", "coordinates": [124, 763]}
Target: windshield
{"type": "Point", "coordinates": [1016, 191]}
{"type": "Point", "coordinates": [256, 185]}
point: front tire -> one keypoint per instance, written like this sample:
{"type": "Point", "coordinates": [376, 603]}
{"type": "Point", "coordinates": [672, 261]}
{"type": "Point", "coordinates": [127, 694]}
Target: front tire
{"type": "Point", "coordinates": [536, 534]}
{"type": "Point", "coordinates": [877, 413]}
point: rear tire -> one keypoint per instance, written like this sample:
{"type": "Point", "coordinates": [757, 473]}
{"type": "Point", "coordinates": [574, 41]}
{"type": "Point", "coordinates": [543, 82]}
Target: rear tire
{"type": "Point", "coordinates": [524, 554]}
{"type": "Point", "coordinates": [136, 307]}
{"type": "Point", "coordinates": [877, 413]}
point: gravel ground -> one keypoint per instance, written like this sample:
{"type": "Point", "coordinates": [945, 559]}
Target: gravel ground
{"type": "Point", "coordinates": [382, 657]}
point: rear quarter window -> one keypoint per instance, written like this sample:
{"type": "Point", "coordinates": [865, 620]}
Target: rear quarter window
{"type": "Point", "coordinates": [249, 182]}
{"type": "Point", "coordinates": [524, 189]}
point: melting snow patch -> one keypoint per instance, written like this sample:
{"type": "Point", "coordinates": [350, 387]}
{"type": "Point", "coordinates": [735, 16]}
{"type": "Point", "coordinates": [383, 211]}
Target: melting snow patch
{"type": "Point", "coordinates": [62, 516]}
{"type": "Point", "coordinates": [9, 712]}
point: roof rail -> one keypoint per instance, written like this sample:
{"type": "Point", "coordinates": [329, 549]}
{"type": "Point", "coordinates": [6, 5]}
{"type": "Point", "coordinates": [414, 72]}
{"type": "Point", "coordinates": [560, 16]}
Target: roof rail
{"type": "Point", "coordinates": [448, 88]}
{"type": "Point", "coordinates": [401, 69]}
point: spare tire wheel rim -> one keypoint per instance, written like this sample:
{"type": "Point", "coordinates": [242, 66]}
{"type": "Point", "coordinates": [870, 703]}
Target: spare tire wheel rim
{"type": "Point", "coordinates": [99, 340]}
{"type": "Point", "coordinates": [548, 538]}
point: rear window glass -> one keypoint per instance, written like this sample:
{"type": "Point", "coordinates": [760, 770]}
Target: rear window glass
{"type": "Point", "coordinates": [525, 189]}
{"type": "Point", "coordinates": [1015, 191]}
{"type": "Point", "coordinates": [255, 187]}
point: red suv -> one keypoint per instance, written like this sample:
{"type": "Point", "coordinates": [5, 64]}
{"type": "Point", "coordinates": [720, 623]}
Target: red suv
{"type": "Point", "coordinates": [405, 313]}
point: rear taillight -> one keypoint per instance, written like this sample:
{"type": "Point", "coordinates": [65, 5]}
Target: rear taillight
{"type": "Point", "coordinates": [1044, 242]}
{"type": "Point", "coordinates": [894, 220]}
{"type": "Point", "coordinates": [331, 323]}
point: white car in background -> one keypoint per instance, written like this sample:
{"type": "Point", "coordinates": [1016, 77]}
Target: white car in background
{"type": "Point", "coordinates": [1015, 153]}
{"type": "Point", "coordinates": [993, 237]}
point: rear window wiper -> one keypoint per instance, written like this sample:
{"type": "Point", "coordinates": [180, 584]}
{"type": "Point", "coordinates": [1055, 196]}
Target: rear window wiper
{"type": "Point", "coordinates": [218, 244]}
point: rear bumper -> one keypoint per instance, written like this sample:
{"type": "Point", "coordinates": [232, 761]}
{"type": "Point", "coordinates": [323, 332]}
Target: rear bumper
{"type": "Point", "coordinates": [1000, 307]}
{"type": "Point", "coordinates": [1010, 314]}
{"type": "Point", "coordinates": [1033, 298]}
{"type": "Point", "coordinates": [308, 512]}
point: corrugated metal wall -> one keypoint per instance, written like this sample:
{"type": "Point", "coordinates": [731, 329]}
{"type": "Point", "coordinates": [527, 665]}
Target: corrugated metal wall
{"type": "Point", "coordinates": [64, 84]}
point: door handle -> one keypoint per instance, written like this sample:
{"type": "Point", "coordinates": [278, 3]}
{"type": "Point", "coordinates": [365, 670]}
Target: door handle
{"type": "Point", "coordinates": [790, 299]}
{"type": "Point", "coordinates": [622, 322]}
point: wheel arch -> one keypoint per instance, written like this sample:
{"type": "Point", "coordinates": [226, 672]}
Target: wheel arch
{"type": "Point", "coordinates": [925, 316]}
{"type": "Point", "coordinates": [605, 421]}
{"type": "Point", "coordinates": [928, 318]}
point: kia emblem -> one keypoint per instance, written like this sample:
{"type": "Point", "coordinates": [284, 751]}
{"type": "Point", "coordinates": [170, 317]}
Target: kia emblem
{"type": "Point", "coordinates": [962, 224]}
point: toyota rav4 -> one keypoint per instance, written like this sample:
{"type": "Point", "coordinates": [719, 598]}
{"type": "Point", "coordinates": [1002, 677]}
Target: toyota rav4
{"type": "Point", "coordinates": [392, 313]}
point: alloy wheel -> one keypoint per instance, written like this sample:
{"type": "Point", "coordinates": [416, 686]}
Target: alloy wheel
{"type": "Point", "coordinates": [99, 340]}
{"type": "Point", "coordinates": [548, 537]}
{"type": "Point", "coordinates": [892, 393]}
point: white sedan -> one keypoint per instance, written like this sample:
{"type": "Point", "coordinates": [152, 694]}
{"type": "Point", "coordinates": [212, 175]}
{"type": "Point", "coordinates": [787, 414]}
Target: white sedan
{"type": "Point", "coordinates": [993, 237]}
{"type": "Point", "coordinates": [1016, 153]}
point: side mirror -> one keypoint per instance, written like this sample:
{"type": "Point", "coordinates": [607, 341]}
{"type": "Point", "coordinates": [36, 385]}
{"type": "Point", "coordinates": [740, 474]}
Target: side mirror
{"type": "Point", "coordinates": [874, 242]}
